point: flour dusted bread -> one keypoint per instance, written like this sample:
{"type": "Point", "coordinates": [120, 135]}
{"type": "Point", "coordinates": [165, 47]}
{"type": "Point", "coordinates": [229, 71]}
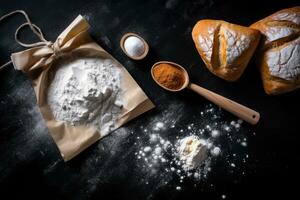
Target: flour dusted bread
{"type": "Point", "coordinates": [224, 47]}
{"type": "Point", "coordinates": [279, 52]}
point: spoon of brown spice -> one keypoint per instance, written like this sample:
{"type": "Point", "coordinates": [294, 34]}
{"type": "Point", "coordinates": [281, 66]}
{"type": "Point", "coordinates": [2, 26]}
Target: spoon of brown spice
{"type": "Point", "coordinates": [174, 78]}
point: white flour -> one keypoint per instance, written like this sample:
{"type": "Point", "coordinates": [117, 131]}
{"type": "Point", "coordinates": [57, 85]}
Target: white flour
{"type": "Point", "coordinates": [161, 145]}
{"type": "Point", "coordinates": [192, 151]}
{"type": "Point", "coordinates": [86, 91]}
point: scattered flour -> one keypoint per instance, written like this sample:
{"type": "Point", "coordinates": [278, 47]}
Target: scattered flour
{"type": "Point", "coordinates": [190, 152]}
{"type": "Point", "coordinates": [178, 188]}
{"type": "Point", "coordinates": [159, 126]}
{"type": "Point", "coordinates": [216, 151]}
{"type": "Point", "coordinates": [86, 91]}
{"type": "Point", "coordinates": [147, 149]}
{"type": "Point", "coordinates": [215, 133]}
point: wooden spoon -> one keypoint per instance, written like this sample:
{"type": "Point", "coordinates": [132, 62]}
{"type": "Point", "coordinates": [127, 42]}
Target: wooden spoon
{"type": "Point", "coordinates": [235, 108]}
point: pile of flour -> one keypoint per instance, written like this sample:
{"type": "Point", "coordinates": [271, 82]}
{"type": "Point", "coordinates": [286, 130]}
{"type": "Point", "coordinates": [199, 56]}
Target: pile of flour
{"type": "Point", "coordinates": [86, 91]}
{"type": "Point", "coordinates": [192, 151]}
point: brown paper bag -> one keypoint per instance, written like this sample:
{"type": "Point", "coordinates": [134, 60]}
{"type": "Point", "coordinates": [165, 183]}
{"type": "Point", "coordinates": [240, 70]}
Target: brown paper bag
{"type": "Point", "coordinates": [37, 62]}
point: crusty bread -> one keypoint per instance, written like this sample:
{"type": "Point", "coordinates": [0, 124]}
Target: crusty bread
{"type": "Point", "coordinates": [278, 54]}
{"type": "Point", "coordinates": [225, 48]}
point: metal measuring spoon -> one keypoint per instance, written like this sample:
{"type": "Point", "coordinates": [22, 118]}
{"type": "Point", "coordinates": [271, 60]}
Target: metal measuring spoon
{"type": "Point", "coordinates": [235, 108]}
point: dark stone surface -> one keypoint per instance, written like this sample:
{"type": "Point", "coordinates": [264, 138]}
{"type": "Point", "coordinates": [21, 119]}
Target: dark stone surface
{"type": "Point", "coordinates": [30, 164]}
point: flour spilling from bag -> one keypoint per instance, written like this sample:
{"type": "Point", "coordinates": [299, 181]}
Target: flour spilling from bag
{"type": "Point", "coordinates": [86, 91]}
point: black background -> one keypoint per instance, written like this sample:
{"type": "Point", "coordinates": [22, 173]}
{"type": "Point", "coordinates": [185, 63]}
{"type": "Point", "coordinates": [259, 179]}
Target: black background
{"type": "Point", "coordinates": [30, 164]}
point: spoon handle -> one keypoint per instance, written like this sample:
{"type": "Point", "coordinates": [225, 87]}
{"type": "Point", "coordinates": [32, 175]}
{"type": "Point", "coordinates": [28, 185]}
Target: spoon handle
{"type": "Point", "coordinates": [235, 108]}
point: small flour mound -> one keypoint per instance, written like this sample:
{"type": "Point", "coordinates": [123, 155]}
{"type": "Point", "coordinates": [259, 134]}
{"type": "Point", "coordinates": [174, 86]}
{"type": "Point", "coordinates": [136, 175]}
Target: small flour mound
{"type": "Point", "coordinates": [192, 151]}
{"type": "Point", "coordinates": [86, 91]}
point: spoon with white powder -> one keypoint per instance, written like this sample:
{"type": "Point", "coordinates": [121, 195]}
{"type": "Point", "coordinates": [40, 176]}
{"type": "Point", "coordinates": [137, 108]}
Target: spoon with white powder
{"type": "Point", "coordinates": [134, 46]}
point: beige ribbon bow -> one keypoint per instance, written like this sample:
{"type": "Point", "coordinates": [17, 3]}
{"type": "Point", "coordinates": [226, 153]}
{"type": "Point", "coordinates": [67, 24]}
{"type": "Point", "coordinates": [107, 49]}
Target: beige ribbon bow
{"type": "Point", "coordinates": [44, 52]}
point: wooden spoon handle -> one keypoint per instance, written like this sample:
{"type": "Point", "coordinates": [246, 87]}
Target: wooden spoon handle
{"type": "Point", "coordinates": [235, 108]}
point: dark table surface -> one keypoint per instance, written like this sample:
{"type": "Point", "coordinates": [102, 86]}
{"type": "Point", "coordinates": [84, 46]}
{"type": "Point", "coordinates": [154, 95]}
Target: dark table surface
{"type": "Point", "coordinates": [30, 163]}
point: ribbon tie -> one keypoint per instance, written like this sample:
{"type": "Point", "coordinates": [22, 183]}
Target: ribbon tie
{"type": "Point", "coordinates": [36, 30]}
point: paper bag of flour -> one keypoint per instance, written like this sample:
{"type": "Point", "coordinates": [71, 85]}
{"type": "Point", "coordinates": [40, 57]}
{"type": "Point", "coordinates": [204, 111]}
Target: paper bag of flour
{"type": "Point", "coordinates": [82, 91]}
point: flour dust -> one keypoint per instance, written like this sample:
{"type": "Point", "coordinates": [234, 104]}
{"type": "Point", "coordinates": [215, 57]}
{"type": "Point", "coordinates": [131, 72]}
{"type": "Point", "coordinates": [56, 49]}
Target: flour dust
{"type": "Point", "coordinates": [174, 153]}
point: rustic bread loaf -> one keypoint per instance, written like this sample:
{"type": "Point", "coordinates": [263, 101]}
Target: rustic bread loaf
{"type": "Point", "coordinates": [225, 48]}
{"type": "Point", "coordinates": [279, 52]}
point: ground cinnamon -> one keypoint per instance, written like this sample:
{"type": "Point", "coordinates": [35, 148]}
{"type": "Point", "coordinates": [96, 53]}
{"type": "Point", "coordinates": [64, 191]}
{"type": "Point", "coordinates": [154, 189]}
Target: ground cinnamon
{"type": "Point", "coordinates": [169, 76]}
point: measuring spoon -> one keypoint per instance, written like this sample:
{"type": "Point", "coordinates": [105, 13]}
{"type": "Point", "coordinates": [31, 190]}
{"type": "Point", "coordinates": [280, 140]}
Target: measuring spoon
{"type": "Point", "coordinates": [235, 108]}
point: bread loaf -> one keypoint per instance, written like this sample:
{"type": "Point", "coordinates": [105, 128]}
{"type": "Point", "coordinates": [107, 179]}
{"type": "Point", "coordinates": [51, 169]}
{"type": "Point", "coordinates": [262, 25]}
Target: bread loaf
{"type": "Point", "coordinates": [279, 51]}
{"type": "Point", "coordinates": [225, 48]}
